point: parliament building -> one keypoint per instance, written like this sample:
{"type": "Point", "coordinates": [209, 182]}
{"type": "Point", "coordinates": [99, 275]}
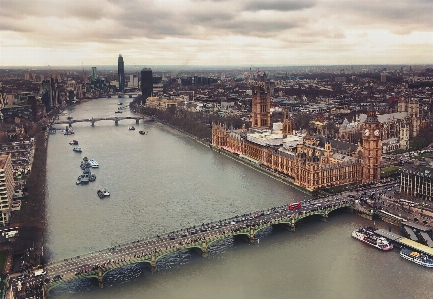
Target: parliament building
{"type": "Point", "coordinates": [311, 162]}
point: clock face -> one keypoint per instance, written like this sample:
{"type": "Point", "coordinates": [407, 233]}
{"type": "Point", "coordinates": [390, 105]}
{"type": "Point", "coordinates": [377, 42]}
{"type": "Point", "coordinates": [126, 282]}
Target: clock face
{"type": "Point", "coordinates": [376, 133]}
{"type": "Point", "coordinates": [366, 132]}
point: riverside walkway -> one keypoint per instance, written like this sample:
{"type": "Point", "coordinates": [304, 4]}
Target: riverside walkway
{"type": "Point", "coordinates": [97, 264]}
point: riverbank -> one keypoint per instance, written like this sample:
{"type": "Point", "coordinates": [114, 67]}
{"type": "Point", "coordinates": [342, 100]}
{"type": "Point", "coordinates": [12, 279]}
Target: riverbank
{"type": "Point", "coordinates": [245, 162]}
{"type": "Point", "coordinates": [31, 218]}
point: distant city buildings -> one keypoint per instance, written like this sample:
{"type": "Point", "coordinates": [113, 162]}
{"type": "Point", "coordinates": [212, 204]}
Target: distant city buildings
{"type": "Point", "coordinates": [133, 81]}
{"type": "Point", "coordinates": [7, 189]}
{"type": "Point", "coordinates": [121, 73]}
{"type": "Point", "coordinates": [94, 75]}
{"type": "Point", "coordinates": [146, 84]}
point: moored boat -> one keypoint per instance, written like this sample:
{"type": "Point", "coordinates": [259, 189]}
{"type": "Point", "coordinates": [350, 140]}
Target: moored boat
{"type": "Point", "coordinates": [103, 193]}
{"type": "Point", "coordinates": [93, 163]}
{"type": "Point", "coordinates": [369, 237]}
{"type": "Point", "coordinates": [142, 132]}
{"type": "Point", "coordinates": [77, 149]}
{"type": "Point", "coordinates": [131, 128]}
{"type": "Point", "coordinates": [73, 142]}
{"type": "Point", "coordinates": [416, 257]}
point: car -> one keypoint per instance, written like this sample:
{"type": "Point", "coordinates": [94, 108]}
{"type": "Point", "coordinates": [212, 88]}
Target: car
{"type": "Point", "coordinates": [40, 272]}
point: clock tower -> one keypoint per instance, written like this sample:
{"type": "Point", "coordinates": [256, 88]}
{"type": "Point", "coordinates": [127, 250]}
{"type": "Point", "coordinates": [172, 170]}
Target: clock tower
{"type": "Point", "coordinates": [371, 147]}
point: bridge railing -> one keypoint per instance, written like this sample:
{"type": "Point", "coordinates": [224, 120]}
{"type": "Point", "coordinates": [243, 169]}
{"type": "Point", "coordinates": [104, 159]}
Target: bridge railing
{"type": "Point", "coordinates": [131, 243]}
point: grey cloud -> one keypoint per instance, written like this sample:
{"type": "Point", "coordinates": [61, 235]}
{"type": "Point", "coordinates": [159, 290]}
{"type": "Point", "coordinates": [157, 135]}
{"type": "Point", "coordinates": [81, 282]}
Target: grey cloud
{"type": "Point", "coordinates": [20, 9]}
{"type": "Point", "coordinates": [402, 16]}
{"type": "Point", "coordinates": [9, 26]}
{"type": "Point", "coordinates": [279, 5]}
{"type": "Point", "coordinates": [260, 28]}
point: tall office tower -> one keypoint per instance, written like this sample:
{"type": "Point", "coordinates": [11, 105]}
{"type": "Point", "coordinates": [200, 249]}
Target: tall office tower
{"type": "Point", "coordinates": [7, 188]}
{"type": "Point", "coordinates": [133, 81]}
{"type": "Point", "coordinates": [146, 84]}
{"type": "Point", "coordinates": [94, 75]}
{"type": "Point", "coordinates": [121, 73]}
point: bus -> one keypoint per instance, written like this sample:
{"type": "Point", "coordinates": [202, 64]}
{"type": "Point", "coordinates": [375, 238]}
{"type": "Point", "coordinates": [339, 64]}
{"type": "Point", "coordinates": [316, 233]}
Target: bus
{"type": "Point", "coordinates": [295, 206]}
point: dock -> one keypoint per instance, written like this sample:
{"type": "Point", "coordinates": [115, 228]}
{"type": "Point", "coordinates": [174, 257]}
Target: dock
{"type": "Point", "coordinates": [405, 242]}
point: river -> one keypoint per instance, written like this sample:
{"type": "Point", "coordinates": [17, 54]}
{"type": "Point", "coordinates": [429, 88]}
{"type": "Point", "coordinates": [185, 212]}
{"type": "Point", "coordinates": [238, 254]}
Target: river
{"type": "Point", "coordinates": [164, 181]}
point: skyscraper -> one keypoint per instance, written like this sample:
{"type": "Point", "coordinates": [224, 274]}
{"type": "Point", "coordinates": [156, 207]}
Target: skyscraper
{"type": "Point", "coordinates": [146, 84]}
{"type": "Point", "coordinates": [121, 73]}
{"type": "Point", "coordinates": [94, 76]}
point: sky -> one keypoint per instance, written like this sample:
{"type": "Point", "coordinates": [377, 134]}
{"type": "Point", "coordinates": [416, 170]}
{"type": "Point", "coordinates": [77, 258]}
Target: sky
{"type": "Point", "coordinates": [215, 32]}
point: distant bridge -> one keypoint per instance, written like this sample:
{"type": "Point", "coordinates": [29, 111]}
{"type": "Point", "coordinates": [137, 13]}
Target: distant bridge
{"type": "Point", "coordinates": [97, 264]}
{"type": "Point", "coordinates": [93, 120]}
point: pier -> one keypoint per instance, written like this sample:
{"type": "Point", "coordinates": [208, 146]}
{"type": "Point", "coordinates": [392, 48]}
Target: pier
{"type": "Point", "coordinates": [405, 242]}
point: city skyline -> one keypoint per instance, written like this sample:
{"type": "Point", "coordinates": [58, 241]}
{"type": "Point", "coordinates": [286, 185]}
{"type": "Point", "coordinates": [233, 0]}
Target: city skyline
{"type": "Point", "coordinates": [215, 32]}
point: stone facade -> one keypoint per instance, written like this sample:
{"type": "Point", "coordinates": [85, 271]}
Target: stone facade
{"type": "Point", "coordinates": [372, 148]}
{"type": "Point", "coordinates": [314, 164]}
{"type": "Point", "coordinates": [417, 180]}
{"type": "Point", "coordinates": [260, 106]}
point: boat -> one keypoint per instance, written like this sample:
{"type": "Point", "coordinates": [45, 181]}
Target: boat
{"type": "Point", "coordinates": [118, 111]}
{"type": "Point", "coordinates": [68, 132]}
{"type": "Point", "coordinates": [77, 149]}
{"type": "Point", "coordinates": [369, 237]}
{"type": "Point", "coordinates": [120, 103]}
{"type": "Point", "coordinates": [73, 142]}
{"type": "Point", "coordinates": [131, 128]}
{"type": "Point", "coordinates": [103, 193]}
{"type": "Point", "coordinates": [142, 132]}
{"type": "Point", "coordinates": [83, 179]}
{"type": "Point", "coordinates": [93, 163]}
{"type": "Point", "coordinates": [85, 164]}
{"type": "Point", "coordinates": [416, 257]}
{"type": "Point", "coordinates": [86, 177]}
{"type": "Point", "coordinates": [92, 177]}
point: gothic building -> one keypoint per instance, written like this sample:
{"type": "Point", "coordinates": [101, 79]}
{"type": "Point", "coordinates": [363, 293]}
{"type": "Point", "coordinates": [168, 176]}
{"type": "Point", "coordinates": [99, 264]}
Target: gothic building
{"type": "Point", "coordinates": [396, 128]}
{"type": "Point", "coordinates": [261, 106]}
{"type": "Point", "coordinates": [311, 162]}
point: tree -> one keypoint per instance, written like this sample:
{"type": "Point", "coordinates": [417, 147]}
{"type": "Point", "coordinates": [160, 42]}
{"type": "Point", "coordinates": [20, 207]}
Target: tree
{"type": "Point", "coordinates": [302, 120]}
{"type": "Point", "coordinates": [331, 129]}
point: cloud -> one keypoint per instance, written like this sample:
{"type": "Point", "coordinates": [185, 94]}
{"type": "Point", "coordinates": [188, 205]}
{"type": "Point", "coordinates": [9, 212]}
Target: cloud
{"type": "Point", "coordinates": [162, 30]}
{"type": "Point", "coordinates": [287, 5]}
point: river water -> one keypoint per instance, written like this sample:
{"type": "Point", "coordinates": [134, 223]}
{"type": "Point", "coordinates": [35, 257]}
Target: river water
{"type": "Point", "coordinates": [164, 181]}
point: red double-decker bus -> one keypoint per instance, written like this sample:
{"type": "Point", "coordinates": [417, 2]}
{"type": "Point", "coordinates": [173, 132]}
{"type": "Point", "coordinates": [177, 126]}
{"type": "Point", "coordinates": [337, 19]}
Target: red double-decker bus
{"type": "Point", "coordinates": [295, 206]}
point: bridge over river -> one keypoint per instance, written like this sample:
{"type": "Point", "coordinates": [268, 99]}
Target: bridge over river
{"type": "Point", "coordinates": [97, 264]}
{"type": "Point", "coordinates": [93, 120]}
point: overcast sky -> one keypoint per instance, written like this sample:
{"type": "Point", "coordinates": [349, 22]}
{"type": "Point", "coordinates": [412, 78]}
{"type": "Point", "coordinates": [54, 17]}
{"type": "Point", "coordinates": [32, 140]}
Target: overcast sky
{"type": "Point", "coordinates": [215, 32]}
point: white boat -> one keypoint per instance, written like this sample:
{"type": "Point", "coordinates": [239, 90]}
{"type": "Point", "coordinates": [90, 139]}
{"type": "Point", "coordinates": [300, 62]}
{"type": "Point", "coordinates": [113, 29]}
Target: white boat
{"type": "Point", "coordinates": [77, 149]}
{"type": "Point", "coordinates": [416, 257]}
{"type": "Point", "coordinates": [367, 236]}
{"type": "Point", "coordinates": [93, 163]}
